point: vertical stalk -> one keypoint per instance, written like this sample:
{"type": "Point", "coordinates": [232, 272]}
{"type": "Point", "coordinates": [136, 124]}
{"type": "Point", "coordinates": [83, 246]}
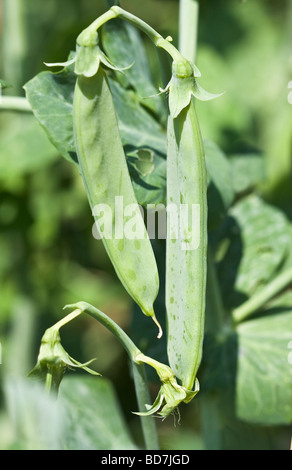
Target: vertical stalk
{"type": "Point", "coordinates": [215, 311]}
{"type": "Point", "coordinates": [143, 396]}
{"type": "Point", "coordinates": [14, 42]}
{"type": "Point", "coordinates": [188, 28]}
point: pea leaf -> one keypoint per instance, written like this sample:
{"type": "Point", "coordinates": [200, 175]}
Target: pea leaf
{"type": "Point", "coordinates": [247, 170]}
{"type": "Point", "coordinates": [256, 239]}
{"type": "Point", "coordinates": [137, 126]}
{"type": "Point", "coordinates": [251, 363]}
{"type": "Point", "coordinates": [122, 43]}
{"type": "Point", "coordinates": [24, 147]}
{"type": "Point", "coordinates": [37, 419]}
{"type": "Point", "coordinates": [93, 417]}
{"type": "Point", "coordinates": [86, 416]}
{"type": "Point", "coordinates": [51, 98]}
{"type": "Point", "coordinates": [220, 189]}
{"type": "Point", "coordinates": [264, 376]}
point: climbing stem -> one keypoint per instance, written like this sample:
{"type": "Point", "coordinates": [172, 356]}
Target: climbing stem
{"type": "Point", "coordinates": [135, 355]}
{"type": "Point", "coordinates": [188, 28]}
{"type": "Point", "coordinates": [155, 37]}
{"type": "Point", "coordinates": [216, 312]}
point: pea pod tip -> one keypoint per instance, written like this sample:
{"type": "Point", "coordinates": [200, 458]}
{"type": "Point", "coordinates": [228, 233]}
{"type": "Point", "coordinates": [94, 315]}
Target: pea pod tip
{"type": "Point", "coordinates": [160, 331]}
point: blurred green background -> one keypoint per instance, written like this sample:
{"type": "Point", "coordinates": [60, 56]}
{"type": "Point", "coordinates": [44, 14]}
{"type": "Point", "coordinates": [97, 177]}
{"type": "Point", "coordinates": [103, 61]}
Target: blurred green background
{"type": "Point", "coordinates": [48, 255]}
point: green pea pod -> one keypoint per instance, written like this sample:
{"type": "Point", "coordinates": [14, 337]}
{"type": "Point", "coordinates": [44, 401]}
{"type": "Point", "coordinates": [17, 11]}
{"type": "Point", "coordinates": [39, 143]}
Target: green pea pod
{"type": "Point", "coordinates": [187, 239]}
{"type": "Point", "coordinates": [106, 178]}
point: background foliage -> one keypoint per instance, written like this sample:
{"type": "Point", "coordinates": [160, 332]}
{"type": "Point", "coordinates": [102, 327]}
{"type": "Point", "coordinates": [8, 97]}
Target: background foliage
{"type": "Point", "coordinates": [49, 257]}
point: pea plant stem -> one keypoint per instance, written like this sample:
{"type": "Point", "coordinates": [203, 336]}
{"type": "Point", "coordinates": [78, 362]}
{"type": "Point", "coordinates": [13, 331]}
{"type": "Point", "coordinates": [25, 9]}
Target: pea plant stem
{"type": "Point", "coordinates": [14, 103]}
{"type": "Point", "coordinates": [143, 396]}
{"type": "Point", "coordinates": [14, 41]}
{"type": "Point", "coordinates": [188, 28]}
{"type": "Point", "coordinates": [154, 36]}
{"type": "Point", "coordinates": [263, 296]}
{"type": "Point", "coordinates": [216, 313]}
{"type": "Point", "coordinates": [139, 374]}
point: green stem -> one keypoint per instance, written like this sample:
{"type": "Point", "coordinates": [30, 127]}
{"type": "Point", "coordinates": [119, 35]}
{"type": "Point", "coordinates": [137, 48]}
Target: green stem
{"type": "Point", "coordinates": [49, 381]}
{"type": "Point", "coordinates": [216, 312]}
{"type": "Point", "coordinates": [68, 318]}
{"type": "Point", "coordinates": [154, 36]}
{"type": "Point", "coordinates": [14, 42]}
{"type": "Point", "coordinates": [263, 296]}
{"type": "Point", "coordinates": [14, 103]}
{"type": "Point", "coordinates": [143, 396]}
{"type": "Point", "coordinates": [188, 28]}
{"type": "Point", "coordinates": [139, 374]}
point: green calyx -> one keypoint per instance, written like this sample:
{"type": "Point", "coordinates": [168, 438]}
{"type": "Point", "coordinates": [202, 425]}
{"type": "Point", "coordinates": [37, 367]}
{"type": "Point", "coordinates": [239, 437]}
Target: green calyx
{"type": "Point", "coordinates": [88, 56]}
{"type": "Point", "coordinates": [53, 360]}
{"type": "Point", "coordinates": [171, 394]}
{"type": "Point", "coordinates": [183, 85]}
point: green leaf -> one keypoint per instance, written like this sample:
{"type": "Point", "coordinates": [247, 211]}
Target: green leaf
{"type": "Point", "coordinates": [86, 416]}
{"type": "Point", "coordinates": [251, 363]}
{"type": "Point", "coordinates": [137, 127]}
{"type": "Point", "coordinates": [247, 170]}
{"type": "Point", "coordinates": [220, 189]}
{"type": "Point", "coordinates": [123, 44]}
{"type": "Point", "coordinates": [148, 178]}
{"type": "Point", "coordinates": [37, 418]}
{"type": "Point", "coordinates": [222, 430]}
{"type": "Point", "coordinates": [51, 98]}
{"type": "Point", "coordinates": [254, 240]}
{"type": "Point", "coordinates": [24, 147]}
{"type": "Point", "coordinates": [264, 375]}
{"type": "Point", "coordinates": [93, 417]}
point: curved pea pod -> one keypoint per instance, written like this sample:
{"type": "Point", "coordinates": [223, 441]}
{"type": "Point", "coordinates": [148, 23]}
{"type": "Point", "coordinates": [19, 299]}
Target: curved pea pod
{"type": "Point", "coordinates": [108, 185]}
{"type": "Point", "coordinates": [187, 227]}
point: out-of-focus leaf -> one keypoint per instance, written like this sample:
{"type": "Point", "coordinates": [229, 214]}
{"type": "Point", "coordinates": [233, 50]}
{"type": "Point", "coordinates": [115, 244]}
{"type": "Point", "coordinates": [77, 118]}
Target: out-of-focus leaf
{"type": "Point", "coordinates": [86, 416]}
{"type": "Point", "coordinates": [264, 378]}
{"type": "Point", "coordinates": [257, 239]}
{"type": "Point", "coordinates": [93, 416]}
{"type": "Point", "coordinates": [251, 363]}
{"type": "Point", "coordinates": [247, 171]}
{"type": "Point", "coordinates": [38, 419]}
{"type": "Point", "coordinates": [24, 147]}
{"type": "Point", "coordinates": [4, 84]}
{"type": "Point", "coordinates": [220, 189]}
{"type": "Point", "coordinates": [222, 430]}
